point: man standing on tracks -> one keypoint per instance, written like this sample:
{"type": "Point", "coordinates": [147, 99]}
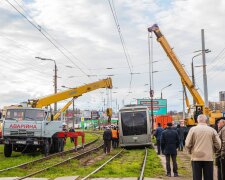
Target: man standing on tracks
{"type": "Point", "coordinates": [107, 137]}
{"type": "Point", "coordinates": [200, 143]}
{"type": "Point", "coordinates": [221, 154]}
{"type": "Point", "coordinates": [158, 133]}
{"type": "Point", "coordinates": [169, 144]}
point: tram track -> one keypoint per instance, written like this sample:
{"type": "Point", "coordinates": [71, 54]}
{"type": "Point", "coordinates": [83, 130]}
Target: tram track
{"type": "Point", "coordinates": [52, 156]}
{"type": "Point", "coordinates": [142, 169]}
{"type": "Point", "coordinates": [141, 177]}
{"type": "Point", "coordinates": [104, 164]}
{"type": "Point", "coordinates": [78, 156]}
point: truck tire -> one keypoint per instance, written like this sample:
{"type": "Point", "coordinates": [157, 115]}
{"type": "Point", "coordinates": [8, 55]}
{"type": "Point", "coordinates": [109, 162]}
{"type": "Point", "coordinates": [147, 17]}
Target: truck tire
{"type": "Point", "coordinates": [61, 143]}
{"type": "Point", "coordinates": [8, 150]}
{"type": "Point", "coordinates": [46, 148]}
{"type": "Point", "coordinates": [56, 145]}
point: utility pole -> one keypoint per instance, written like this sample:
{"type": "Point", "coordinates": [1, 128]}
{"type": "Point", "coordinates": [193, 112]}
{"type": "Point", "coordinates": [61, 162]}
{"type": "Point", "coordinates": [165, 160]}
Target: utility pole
{"type": "Point", "coordinates": [55, 85]}
{"type": "Point", "coordinates": [204, 70]}
{"type": "Point", "coordinates": [73, 114]}
{"type": "Point", "coordinates": [192, 67]}
{"type": "Point", "coordinates": [183, 103]}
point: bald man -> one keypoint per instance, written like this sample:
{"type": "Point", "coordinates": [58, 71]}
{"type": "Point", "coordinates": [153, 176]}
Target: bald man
{"type": "Point", "coordinates": [200, 143]}
{"type": "Point", "coordinates": [221, 168]}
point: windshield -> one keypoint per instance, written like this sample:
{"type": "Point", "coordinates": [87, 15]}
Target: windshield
{"type": "Point", "coordinates": [25, 114]}
{"type": "Point", "coordinates": [134, 123]}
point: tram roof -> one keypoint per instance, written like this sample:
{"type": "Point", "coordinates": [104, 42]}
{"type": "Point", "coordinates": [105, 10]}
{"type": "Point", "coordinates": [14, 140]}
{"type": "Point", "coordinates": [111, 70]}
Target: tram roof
{"type": "Point", "coordinates": [133, 107]}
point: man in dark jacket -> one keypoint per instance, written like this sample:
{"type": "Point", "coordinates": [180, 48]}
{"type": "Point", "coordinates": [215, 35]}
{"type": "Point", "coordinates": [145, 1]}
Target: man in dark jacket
{"type": "Point", "coordinates": [180, 131]}
{"type": "Point", "coordinates": [107, 137]}
{"type": "Point", "coordinates": [71, 130]}
{"type": "Point", "coordinates": [169, 145]}
{"type": "Point", "coordinates": [158, 133]}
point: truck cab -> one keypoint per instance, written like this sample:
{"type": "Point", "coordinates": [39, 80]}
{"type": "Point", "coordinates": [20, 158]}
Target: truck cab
{"type": "Point", "coordinates": [30, 129]}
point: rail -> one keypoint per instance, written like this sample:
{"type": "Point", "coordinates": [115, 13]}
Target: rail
{"type": "Point", "coordinates": [141, 177]}
{"type": "Point", "coordinates": [49, 156]}
{"type": "Point", "coordinates": [100, 167]}
{"type": "Point", "coordinates": [63, 162]}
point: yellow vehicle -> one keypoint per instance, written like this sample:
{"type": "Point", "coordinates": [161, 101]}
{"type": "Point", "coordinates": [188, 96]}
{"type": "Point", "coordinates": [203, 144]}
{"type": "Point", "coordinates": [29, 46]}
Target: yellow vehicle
{"type": "Point", "coordinates": [199, 107]}
{"type": "Point", "coordinates": [30, 128]}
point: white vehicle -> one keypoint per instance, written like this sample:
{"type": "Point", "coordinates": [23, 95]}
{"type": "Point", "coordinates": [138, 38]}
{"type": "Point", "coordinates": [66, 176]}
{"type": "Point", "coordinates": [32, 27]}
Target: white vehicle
{"type": "Point", "coordinates": [29, 129]}
{"type": "Point", "coordinates": [134, 126]}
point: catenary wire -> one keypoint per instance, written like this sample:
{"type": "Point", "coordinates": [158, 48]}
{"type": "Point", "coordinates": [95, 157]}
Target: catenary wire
{"type": "Point", "coordinates": [40, 30]}
{"type": "Point", "coordinates": [129, 63]}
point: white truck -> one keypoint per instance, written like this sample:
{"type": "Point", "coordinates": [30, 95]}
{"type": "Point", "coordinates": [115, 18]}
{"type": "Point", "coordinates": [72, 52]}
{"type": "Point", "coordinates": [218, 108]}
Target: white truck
{"type": "Point", "coordinates": [29, 130]}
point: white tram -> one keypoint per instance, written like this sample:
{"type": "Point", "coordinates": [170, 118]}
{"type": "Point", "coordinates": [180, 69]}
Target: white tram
{"type": "Point", "coordinates": [134, 126]}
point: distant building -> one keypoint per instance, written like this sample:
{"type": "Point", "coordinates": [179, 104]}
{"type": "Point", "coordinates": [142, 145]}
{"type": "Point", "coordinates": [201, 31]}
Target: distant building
{"type": "Point", "coordinates": [222, 95]}
{"type": "Point", "coordinates": [217, 106]}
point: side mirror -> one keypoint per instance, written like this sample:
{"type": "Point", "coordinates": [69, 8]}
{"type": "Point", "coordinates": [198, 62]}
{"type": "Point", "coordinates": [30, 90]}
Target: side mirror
{"type": "Point", "coordinates": [52, 117]}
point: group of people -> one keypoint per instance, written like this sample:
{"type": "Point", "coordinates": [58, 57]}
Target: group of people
{"type": "Point", "coordinates": [202, 142]}
{"type": "Point", "coordinates": [110, 137]}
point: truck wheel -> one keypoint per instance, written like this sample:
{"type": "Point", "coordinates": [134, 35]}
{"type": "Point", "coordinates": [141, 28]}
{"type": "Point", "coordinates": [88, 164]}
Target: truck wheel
{"type": "Point", "coordinates": [46, 148]}
{"type": "Point", "coordinates": [61, 142]}
{"type": "Point", "coordinates": [56, 145]}
{"type": "Point", "coordinates": [8, 150]}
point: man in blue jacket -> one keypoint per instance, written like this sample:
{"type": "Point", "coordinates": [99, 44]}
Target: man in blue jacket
{"type": "Point", "coordinates": [158, 133]}
{"type": "Point", "coordinates": [169, 145]}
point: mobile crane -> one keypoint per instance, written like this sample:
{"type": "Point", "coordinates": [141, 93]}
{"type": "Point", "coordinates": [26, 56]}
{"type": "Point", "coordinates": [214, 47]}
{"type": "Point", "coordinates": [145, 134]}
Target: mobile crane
{"type": "Point", "coordinates": [199, 107]}
{"type": "Point", "coordinates": [34, 128]}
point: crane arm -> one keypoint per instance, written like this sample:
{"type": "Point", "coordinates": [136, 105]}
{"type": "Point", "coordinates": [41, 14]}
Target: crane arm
{"type": "Point", "coordinates": [56, 116]}
{"type": "Point", "coordinates": [176, 63]}
{"type": "Point", "coordinates": [73, 92]}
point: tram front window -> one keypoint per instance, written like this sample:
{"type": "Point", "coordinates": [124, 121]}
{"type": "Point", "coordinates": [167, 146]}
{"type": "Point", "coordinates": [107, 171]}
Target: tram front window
{"type": "Point", "coordinates": [134, 123]}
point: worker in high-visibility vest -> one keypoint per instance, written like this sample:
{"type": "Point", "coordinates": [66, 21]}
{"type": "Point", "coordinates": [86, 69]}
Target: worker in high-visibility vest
{"type": "Point", "coordinates": [115, 137]}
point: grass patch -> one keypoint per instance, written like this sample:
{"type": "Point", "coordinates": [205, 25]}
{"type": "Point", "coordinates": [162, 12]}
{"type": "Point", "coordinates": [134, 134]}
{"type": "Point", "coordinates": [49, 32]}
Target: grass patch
{"type": "Point", "coordinates": [18, 158]}
{"type": "Point", "coordinates": [184, 165]}
{"type": "Point", "coordinates": [75, 167]}
{"type": "Point", "coordinates": [154, 166]}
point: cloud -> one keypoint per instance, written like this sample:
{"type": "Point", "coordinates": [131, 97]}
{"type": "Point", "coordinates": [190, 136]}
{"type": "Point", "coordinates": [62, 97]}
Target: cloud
{"type": "Point", "coordinates": [86, 28]}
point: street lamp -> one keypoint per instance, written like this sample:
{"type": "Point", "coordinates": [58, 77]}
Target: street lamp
{"type": "Point", "coordinates": [192, 67]}
{"type": "Point", "coordinates": [55, 77]}
{"type": "Point", "coordinates": [73, 104]}
{"type": "Point", "coordinates": [164, 88]}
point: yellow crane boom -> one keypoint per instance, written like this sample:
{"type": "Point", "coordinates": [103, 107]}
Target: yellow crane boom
{"type": "Point", "coordinates": [176, 63]}
{"type": "Point", "coordinates": [186, 81]}
{"type": "Point", "coordinates": [73, 92]}
{"type": "Point", "coordinates": [56, 116]}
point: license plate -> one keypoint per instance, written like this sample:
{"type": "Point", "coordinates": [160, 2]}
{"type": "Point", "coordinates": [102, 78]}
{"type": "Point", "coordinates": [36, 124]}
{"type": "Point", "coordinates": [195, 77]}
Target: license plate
{"type": "Point", "coordinates": [20, 142]}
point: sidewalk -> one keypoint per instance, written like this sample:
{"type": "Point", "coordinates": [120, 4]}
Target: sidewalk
{"type": "Point", "coordinates": [184, 166]}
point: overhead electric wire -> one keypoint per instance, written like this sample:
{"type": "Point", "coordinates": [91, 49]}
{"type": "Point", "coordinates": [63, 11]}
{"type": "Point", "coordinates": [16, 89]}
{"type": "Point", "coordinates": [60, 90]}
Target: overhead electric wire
{"type": "Point", "coordinates": [214, 63]}
{"type": "Point", "coordinates": [36, 26]}
{"type": "Point", "coordinates": [127, 57]}
{"type": "Point", "coordinates": [39, 29]}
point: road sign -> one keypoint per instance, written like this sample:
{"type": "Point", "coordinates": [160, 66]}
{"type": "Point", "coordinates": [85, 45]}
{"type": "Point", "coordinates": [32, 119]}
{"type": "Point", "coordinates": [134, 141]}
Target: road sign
{"type": "Point", "coordinates": [82, 118]}
{"type": "Point", "coordinates": [159, 105]}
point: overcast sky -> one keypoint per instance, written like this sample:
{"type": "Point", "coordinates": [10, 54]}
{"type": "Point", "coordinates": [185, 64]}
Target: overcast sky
{"type": "Point", "coordinates": [85, 31]}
